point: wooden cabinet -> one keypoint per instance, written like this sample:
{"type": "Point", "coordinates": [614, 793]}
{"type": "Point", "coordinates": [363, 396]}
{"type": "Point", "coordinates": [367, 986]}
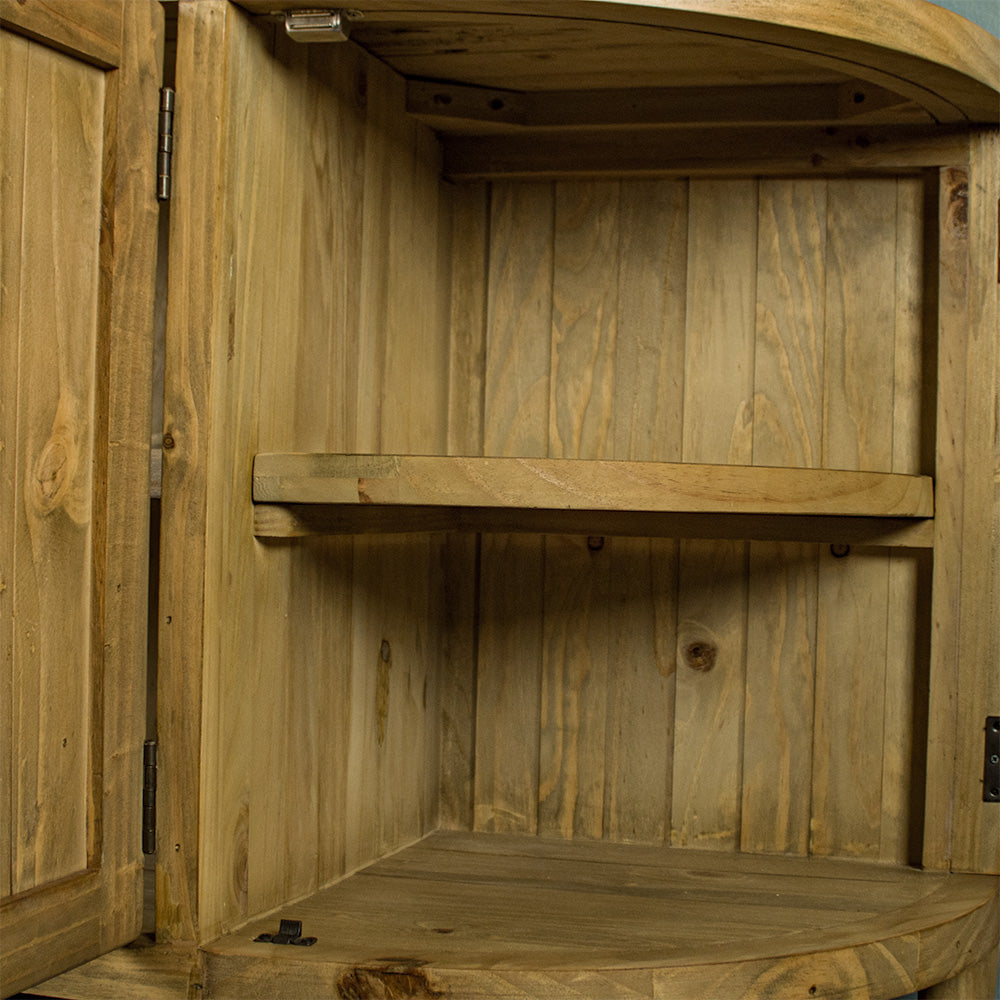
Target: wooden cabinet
{"type": "Point", "coordinates": [580, 558]}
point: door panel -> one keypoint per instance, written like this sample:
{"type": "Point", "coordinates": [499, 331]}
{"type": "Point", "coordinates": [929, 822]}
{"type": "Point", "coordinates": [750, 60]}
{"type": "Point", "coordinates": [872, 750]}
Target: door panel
{"type": "Point", "coordinates": [77, 236]}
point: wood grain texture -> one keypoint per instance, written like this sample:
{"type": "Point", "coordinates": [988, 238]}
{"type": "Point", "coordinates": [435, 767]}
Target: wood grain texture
{"type": "Point", "coordinates": [717, 427]}
{"type": "Point", "coordinates": [515, 422]}
{"type": "Point", "coordinates": [977, 827]}
{"type": "Point", "coordinates": [195, 306]}
{"type": "Point", "coordinates": [926, 47]}
{"type": "Point", "coordinates": [782, 582]}
{"type": "Point", "coordinates": [90, 30]}
{"type": "Point", "coordinates": [14, 68]}
{"type": "Point", "coordinates": [950, 309]}
{"type": "Point", "coordinates": [80, 322]}
{"type": "Point", "coordinates": [53, 561]}
{"type": "Point", "coordinates": [499, 916]}
{"type": "Point", "coordinates": [580, 484]}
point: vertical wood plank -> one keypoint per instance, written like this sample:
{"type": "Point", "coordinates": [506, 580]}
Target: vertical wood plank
{"type": "Point", "coordinates": [781, 615]}
{"type": "Point", "coordinates": [852, 636]}
{"type": "Point", "coordinates": [718, 414]}
{"type": "Point", "coordinates": [325, 415]}
{"type": "Point", "coordinates": [198, 304]}
{"type": "Point", "coordinates": [515, 422]}
{"type": "Point", "coordinates": [468, 252]}
{"type": "Point", "coordinates": [14, 84]}
{"type": "Point", "coordinates": [647, 425]}
{"type": "Point", "coordinates": [53, 558]}
{"type": "Point", "coordinates": [576, 622]}
{"type": "Point", "coordinates": [902, 748]}
{"type": "Point", "coordinates": [977, 827]}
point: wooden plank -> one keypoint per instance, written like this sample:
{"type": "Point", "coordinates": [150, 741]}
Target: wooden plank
{"type": "Point", "coordinates": [781, 616]}
{"type": "Point", "coordinates": [718, 414]}
{"type": "Point", "coordinates": [708, 151]}
{"type": "Point", "coordinates": [506, 916]}
{"type": "Point", "coordinates": [949, 307]}
{"type": "Point", "coordinates": [301, 520]}
{"type": "Point", "coordinates": [516, 400]}
{"type": "Point", "coordinates": [977, 825]}
{"type": "Point", "coordinates": [86, 29]}
{"type": "Point", "coordinates": [577, 484]}
{"type": "Point", "coordinates": [157, 973]}
{"type": "Point", "coordinates": [195, 308]}
{"type": "Point", "coordinates": [907, 639]}
{"type": "Point", "coordinates": [647, 424]}
{"type": "Point", "coordinates": [452, 108]}
{"type": "Point", "coordinates": [14, 77]}
{"type": "Point", "coordinates": [53, 562]}
{"type": "Point", "coordinates": [577, 575]}
{"type": "Point", "coordinates": [852, 639]}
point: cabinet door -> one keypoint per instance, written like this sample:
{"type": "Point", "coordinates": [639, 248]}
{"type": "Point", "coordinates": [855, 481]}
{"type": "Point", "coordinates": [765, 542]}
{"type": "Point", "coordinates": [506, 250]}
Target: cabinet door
{"type": "Point", "coordinates": [78, 218]}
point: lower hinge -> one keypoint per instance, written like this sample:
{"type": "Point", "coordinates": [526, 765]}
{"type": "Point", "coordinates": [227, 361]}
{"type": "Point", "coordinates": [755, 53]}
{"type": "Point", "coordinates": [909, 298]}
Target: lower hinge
{"type": "Point", "coordinates": [991, 760]}
{"type": "Point", "coordinates": [149, 797]}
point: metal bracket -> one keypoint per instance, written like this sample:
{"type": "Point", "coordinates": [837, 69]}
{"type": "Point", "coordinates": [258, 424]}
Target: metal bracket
{"type": "Point", "coordinates": [289, 932]}
{"type": "Point", "coordinates": [320, 26]}
{"type": "Point", "coordinates": [991, 760]}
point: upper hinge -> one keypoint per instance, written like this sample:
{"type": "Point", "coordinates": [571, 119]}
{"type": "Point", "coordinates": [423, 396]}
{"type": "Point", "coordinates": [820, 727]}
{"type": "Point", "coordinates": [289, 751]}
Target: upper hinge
{"type": "Point", "coordinates": [165, 151]}
{"type": "Point", "coordinates": [149, 797]}
{"type": "Point", "coordinates": [320, 26]}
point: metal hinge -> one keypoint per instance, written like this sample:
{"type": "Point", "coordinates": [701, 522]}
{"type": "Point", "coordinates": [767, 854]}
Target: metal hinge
{"type": "Point", "coordinates": [991, 760]}
{"type": "Point", "coordinates": [149, 797]}
{"type": "Point", "coordinates": [320, 26]}
{"type": "Point", "coordinates": [165, 152]}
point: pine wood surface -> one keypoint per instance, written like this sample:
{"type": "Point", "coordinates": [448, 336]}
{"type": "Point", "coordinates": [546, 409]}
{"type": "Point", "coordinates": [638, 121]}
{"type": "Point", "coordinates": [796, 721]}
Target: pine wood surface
{"type": "Point", "coordinates": [585, 485]}
{"type": "Point", "coordinates": [928, 51]}
{"type": "Point", "coordinates": [498, 915]}
{"type": "Point", "coordinates": [77, 311]}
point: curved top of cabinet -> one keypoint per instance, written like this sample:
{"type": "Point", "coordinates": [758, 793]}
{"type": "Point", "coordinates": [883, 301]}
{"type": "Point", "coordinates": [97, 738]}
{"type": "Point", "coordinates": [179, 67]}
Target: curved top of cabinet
{"type": "Point", "coordinates": [919, 62]}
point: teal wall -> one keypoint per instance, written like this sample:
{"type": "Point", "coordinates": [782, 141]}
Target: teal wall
{"type": "Point", "coordinates": [984, 12]}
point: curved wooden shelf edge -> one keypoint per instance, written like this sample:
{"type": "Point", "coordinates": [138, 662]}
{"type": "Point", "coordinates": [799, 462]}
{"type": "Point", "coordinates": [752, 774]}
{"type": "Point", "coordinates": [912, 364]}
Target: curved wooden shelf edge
{"type": "Point", "coordinates": [928, 50]}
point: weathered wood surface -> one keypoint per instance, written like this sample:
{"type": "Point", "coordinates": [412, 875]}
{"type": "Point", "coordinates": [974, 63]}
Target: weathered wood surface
{"type": "Point", "coordinates": [496, 915]}
{"type": "Point", "coordinates": [78, 253]}
{"type": "Point", "coordinates": [929, 53]}
{"type": "Point", "coordinates": [361, 340]}
{"type": "Point", "coordinates": [574, 484]}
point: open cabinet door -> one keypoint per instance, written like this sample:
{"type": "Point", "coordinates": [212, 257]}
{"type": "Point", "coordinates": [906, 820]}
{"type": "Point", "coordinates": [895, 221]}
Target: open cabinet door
{"type": "Point", "coordinates": [78, 217]}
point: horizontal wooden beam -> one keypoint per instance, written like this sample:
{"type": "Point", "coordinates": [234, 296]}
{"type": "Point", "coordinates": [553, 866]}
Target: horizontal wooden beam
{"type": "Point", "coordinates": [704, 151]}
{"type": "Point", "coordinates": [305, 520]}
{"type": "Point", "coordinates": [458, 108]}
{"type": "Point", "coordinates": [373, 493]}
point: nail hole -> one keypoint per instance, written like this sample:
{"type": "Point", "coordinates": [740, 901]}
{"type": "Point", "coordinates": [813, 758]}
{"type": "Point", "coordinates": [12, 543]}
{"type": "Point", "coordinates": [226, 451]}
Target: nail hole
{"type": "Point", "coordinates": [496, 104]}
{"type": "Point", "coordinates": [595, 543]}
{"type": "Point", "coordinates": [444, 99]}
{"type": "Point", "coordinates": [859, 98]}
{"type": "Point", "coordinates": [840, 551]}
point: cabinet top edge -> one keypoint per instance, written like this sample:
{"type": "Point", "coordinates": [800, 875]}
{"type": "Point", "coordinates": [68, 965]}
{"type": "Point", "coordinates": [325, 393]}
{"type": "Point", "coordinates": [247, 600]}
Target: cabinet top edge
{"type": "Point", "coordinates": [914, 42]}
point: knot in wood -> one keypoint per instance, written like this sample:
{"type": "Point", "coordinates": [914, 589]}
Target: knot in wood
{"type": "Point", "coordinates": [700, 655]}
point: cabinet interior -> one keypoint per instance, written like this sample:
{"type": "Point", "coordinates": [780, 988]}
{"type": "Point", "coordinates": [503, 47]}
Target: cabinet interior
{"type": "Point", "coordinates": [737, 682]}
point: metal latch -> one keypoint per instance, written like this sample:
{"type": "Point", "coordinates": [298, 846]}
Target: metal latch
{"type": "Point", "coordinates": [289, 932]}
{"type": "Point", "coordinates": [165, 153]}
{"type": "Point", "coordinates": [320, 26]}
{"type": "Point", "coordinates": [991, 760]}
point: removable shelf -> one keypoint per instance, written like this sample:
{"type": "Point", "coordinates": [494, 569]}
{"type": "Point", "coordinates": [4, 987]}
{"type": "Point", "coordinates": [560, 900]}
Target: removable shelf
{"type": "Point", "coordinates": [303, 494]}
{"type": "Point", "coordinates": [491, 915]}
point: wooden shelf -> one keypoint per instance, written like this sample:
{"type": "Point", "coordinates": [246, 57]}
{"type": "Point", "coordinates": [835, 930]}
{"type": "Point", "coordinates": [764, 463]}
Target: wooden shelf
{"type": "Point", "coordinates": [485, 915]}
{"type": "Point", "coordinates": [302, 494]}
